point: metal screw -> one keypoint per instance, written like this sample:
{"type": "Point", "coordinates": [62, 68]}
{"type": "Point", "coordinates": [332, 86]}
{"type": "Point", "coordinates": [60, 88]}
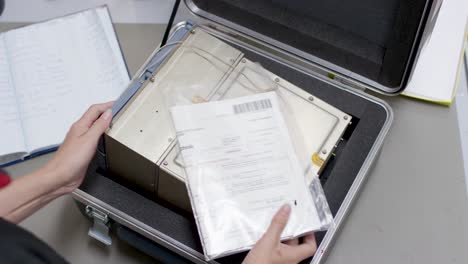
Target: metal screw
{"type": "Point", "coordinates": [243, 61]}
{"type": "Point", "coordinates": [277, 79]}
{"type": "Point", "coordinates": [345, 117]}
{"type": "Point", "coordinates": [169, 139]}
{"type": "Point", "coordinates": [311, 98]}
{"type": "Point", "coordinates": [165, 163]}
{"type": "Point", "coordinates": [152, 79]}
{"type": "Point", "coordinates": [324, 151]}
{"type": "Point", "coordinates": [193, 31]}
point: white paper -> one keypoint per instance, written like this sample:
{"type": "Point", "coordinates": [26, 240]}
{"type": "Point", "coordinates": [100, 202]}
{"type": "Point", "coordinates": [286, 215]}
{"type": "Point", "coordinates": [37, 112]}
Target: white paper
{"type": "Point", "coordinates": [241, 167]}
{"type": "Point", "coordinates": [437, 68]}
{"type": "Point", "coordinates": [61, 67]}
{"type": "Point", "coordinates": [11, 138]}
{"type": "Point", "coordinates": [123, 11]}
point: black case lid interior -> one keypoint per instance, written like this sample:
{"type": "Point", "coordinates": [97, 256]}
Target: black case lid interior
{"type": "Point", "coordinates": [375, 39]}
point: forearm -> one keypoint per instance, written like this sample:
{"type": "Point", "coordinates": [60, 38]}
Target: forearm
{"type": "Point", "coordinates": [24, 211]}
{"type": "Point", "coordinates": [63, 173]}
{"type": "Point", "coordinates": [25, 195]}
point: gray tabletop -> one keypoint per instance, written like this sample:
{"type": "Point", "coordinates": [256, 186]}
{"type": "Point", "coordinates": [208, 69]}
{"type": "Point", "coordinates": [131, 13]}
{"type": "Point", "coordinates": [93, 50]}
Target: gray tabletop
{"type": "Point", "coordinates": [412, 209]}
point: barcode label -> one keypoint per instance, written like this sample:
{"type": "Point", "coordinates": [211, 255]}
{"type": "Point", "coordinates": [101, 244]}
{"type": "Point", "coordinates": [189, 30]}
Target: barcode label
{"type": "Point", "coordinates": [252, 106]}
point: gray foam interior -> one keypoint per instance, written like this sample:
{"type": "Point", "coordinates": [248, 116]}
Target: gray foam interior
{"type": "Point", "coordinates": [373, 38]}
{"type": "Point", "coordinates": [337, 177]}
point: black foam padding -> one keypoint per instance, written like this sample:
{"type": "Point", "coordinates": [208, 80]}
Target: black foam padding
{"type": "Point", "coordinates": [149, 247]}
{"type": "Point", "coordinates": [2, 6]}
{"type": "Point", "coordinates": [373, 38]}
{"type": "Point", "coordinates": [339, 174]}
{"type": "Point", "coordinates": [177, 226]}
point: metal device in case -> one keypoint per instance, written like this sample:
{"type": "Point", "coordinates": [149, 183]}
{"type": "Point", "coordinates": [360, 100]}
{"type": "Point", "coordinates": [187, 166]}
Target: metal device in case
{"type": "Point", "coordinates": [203, 68]}
{"type": "Point", "coordinates": [331, 50]}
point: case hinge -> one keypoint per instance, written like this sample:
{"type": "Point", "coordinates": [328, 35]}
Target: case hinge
{"type": "Point", "coordinates": [100, 228]}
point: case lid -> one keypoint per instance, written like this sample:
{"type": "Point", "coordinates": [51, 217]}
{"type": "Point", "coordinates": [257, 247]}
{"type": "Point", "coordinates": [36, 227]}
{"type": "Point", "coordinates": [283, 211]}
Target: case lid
{"type": "Point", "coordinates": [371, 41]}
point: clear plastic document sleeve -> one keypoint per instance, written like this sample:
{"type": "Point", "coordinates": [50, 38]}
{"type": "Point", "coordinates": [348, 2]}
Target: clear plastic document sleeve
{"type": "Point", "coordinates": [243, 160]}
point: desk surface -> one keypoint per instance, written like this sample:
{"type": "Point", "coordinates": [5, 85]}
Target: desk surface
{"type": "Point", "coordinates": [412, 209]}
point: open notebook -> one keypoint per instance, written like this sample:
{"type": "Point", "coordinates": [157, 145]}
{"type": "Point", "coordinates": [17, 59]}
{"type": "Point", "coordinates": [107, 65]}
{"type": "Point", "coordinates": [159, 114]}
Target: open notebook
{"type": "Point", "coordinates": [50, 73]}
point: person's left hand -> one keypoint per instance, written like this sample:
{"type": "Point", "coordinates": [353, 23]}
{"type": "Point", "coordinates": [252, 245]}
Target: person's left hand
{"type": "Point", "coordinates": [68, 167]}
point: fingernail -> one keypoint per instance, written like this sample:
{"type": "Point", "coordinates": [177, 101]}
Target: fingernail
{"type": "Point", "coordinates": [285, 210]}
{"type": "Point", "coordinates": [107, 114]}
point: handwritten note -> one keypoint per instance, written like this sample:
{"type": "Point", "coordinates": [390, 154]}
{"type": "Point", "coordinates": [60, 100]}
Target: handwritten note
{"type": "Point", "coordinates": [11, 139]}
{"type": "Point", "coordinates": [57, 69]}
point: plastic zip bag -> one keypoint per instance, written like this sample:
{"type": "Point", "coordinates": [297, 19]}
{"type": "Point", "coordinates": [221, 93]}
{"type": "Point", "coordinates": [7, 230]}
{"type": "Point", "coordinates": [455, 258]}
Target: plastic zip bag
{"type": "Point", "coordinates": [203, 72]}
{"type": "Point", "coordinates": [240, 167]}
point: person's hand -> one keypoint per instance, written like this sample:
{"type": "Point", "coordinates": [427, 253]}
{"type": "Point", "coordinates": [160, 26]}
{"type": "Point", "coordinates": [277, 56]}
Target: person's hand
{"type": "Point", "coordinates": [68, 167]}
{"type": "Point", "coordinates": [270, 250]}
{"type": "Point", "coordinates": [63, 173]}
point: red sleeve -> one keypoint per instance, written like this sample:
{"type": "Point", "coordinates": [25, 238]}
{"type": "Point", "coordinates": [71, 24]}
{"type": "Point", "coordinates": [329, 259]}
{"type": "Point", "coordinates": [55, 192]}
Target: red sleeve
{"type": "Point", "coordinates": [4, 179]}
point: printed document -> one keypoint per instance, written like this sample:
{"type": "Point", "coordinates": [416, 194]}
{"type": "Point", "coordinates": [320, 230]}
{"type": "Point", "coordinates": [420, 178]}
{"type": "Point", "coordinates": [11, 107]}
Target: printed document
{"type": "Point", "coordinates": [241, 167]}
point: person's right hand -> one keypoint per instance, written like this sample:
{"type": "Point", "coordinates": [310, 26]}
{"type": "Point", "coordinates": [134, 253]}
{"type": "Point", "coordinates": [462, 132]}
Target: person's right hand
{"type": "Point", "coordinates": [270, 250]}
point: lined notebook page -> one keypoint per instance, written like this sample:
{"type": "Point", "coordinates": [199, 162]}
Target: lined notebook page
{"type": "Point", "coordinates": [11, 139]}
{"type": "Point", "coordinates": [59, 68]}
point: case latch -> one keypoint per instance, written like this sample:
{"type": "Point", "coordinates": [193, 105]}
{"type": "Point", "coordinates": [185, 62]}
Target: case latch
{"type": "Point", "coordinates": [100, 228]}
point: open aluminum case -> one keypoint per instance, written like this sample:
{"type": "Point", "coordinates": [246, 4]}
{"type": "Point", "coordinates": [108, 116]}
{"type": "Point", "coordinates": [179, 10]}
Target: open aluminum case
{"type": "Point", "coordinates": [331, 49]}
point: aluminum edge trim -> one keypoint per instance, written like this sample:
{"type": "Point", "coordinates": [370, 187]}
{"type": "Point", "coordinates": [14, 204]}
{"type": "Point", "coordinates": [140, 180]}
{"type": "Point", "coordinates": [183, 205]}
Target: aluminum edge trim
{"type": "Point", "coordinates": [347, 203]}
{"type": "Point", "coordinates": [370, 84]}
{"type": "Point", "coordinates": [320, 69]}
{"type": "Point", "coordinates": [295, 66]}
{"type": "Point", "coordinates": [178, 26]}
{"type": "Point", "coordinates": [134, 85]}
{"type": "Point", "coordinates": [139, 227]}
